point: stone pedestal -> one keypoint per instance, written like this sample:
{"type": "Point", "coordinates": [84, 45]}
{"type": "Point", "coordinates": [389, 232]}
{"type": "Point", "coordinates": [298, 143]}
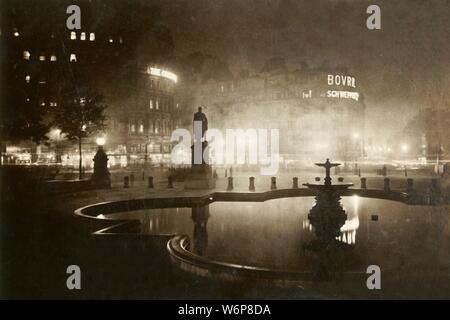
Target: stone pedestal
{"type": "Point", "coordinates": [201, 177]}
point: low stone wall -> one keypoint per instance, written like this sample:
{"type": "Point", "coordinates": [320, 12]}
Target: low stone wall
{"type": "Point", "coordinates": [65, 186]}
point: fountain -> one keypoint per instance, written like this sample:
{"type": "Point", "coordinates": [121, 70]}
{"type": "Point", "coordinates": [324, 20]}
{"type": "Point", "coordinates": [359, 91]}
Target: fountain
{"type": "Point", "coordinates": [327, 216]}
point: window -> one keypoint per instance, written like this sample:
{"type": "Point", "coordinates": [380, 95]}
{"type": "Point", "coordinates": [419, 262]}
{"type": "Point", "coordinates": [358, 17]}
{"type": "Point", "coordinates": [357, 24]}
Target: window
{"type": "Point", "coordinates": [53, 57]}
{"type": "Point", "coordinates": [83, 36]}
{"type": "Point", "coordinates": [150, 105]}
{"type": "Point", "coordinates": [73, 57]}
{"type": "Point", "coordinates": [73, 35]}
{"type": "Point", "coordinates": [26, 55]}
{"type": "Point", "coordinates": [16, 33]}
{"type": "Point", "coordinates": [91, 36]}
{"type": "Point", "coordinates": [111, 40]}
{"type": "Point", "coordinates": [133, 128]}
{"type": "Point", "coordinates": [157, 126]}
{"type": "Point", "coordinates": [27, 79]}
{"type": "Point", "coordinates": [53, 104]}
{"type": "Point", "coordinates": [157, 104]}
{"type": "Point", "coordinates": [150, 126]}
{"type": "Point", "coordinates": [41, 58]}
{"type": "Point", "coordinates": [141, 128]}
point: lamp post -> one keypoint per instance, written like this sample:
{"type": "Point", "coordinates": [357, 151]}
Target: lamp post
{"type": "Point", "coordinates": [101, 178]}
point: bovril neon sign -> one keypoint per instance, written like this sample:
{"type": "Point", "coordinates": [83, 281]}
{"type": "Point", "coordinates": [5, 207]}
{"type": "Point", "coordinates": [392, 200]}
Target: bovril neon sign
{"type": "Point", "coordinates": [344, 81]}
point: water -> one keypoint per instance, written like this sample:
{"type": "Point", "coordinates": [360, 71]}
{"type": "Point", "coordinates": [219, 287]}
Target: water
{"type": "Point", "coordinates": [401, 239]}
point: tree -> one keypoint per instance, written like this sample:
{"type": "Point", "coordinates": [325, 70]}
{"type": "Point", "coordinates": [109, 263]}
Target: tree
{"type": "Point", "coordinates": [80, 114]}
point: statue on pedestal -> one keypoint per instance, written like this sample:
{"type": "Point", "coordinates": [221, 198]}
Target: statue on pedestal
{"type": "Point", "coordinates": [201, 172]}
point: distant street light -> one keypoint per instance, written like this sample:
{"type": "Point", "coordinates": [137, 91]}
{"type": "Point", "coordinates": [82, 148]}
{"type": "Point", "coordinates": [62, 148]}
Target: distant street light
{"type": "Point", "coordinates": [404, 148]}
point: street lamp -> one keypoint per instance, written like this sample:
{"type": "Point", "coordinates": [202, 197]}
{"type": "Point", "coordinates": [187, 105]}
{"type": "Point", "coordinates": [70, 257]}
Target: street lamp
{"type": "Point", "coordinates": [100, 141]}
{"type": "Point", "coordinates": [101, 177]}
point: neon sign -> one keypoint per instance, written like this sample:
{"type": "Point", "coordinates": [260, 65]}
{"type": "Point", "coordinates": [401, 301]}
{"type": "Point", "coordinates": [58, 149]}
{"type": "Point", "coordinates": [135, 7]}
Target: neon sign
{"type": "Point", "coordinates": [162, 73]}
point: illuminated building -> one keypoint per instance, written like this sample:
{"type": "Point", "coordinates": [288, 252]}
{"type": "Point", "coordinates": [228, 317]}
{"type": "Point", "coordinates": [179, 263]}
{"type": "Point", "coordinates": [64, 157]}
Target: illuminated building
{"type": "Point", "coordinates": [319, 111]}
{"type": "Point", "coordinates": [119, 59]}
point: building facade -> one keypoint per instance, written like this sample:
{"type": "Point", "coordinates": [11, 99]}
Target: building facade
{"type": "Point", "coordinates": [319, 112]}
{"type": "Point", "coordinates": [123, 54]}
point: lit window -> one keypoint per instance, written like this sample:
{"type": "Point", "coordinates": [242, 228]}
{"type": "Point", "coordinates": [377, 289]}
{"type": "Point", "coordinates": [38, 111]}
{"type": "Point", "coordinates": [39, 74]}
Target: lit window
{"type": "Point", "coordinates": [141, 128]}
{"type": "Point", "coordinates": [53, 58]}
{"type": "Point", "coordinates": [151, 104]}
{"type": "Point", "coordinates": [42, 104]}
{"type": "Point", "coordinates": [157, 127]}
{"type": "Point", "coordinates": [83, 36]}
{"type": "Point", "coordinates": [16, 33]}
{"type": "Point", "coordinates": [73, 57]}
{"type": "Point", "coordinates": [73, 35]}
{"type": "Point", "coordinates": [111, 40]}
{"type": "Point", "coordinates": [41, 58]}
{"type": "Point", "coordinates": [157, 104]}
{"type": "Point", "coordinates": [26, 55]}
{"type": "Point", "coordinates": [120, 40]}
{"type": "Point", "coordinates": [27, 79]}
{"type": "Point", "coordinates": [53, 104]}
{"type": "Point", "coordinates": [91, 36]}
{"type": "Point", "coordinates": [133, 128]}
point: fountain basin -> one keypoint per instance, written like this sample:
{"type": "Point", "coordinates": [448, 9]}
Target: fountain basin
{"type": "Point", "coordinates": [263, 236]}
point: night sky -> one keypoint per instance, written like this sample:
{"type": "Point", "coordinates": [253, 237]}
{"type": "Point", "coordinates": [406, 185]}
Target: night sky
{"type": "Point", "coordinates": [401, 68]}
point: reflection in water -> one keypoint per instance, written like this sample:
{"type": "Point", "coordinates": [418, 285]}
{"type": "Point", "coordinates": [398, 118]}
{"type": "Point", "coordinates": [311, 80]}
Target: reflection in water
{"type": "Point", "coordinates": [200, 216]}
{"type": "Point", "coordinates": [334, 234]}
{"type": "Point", "coordinates": [270, 234]}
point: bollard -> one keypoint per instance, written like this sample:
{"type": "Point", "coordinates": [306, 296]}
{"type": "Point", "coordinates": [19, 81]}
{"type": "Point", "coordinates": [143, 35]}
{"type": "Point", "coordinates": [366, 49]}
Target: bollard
{"type": "Point", "coordinates": [363, 183]}
{"type": "Point", "coordinates": [384, 171]}
{"type": "Point", "coordinates": [150, 182]}
{"type": "Point", "coordinates": [387, 186]}
{"type": "Point", "coordinates": [230, 184]}
{"type": "Point", "coordinates": [251, 185]}
{"type": "Point", "coordinates": [409, 184]}
{"type": "Point", "coordinates": [169, 182]}
{"type": "Point", "coordinates": [295, 183]}
{"type": "Point", "coordinates": [126, 182]}
{"type": "Point", "coordinates": [341, 179]}
{"type": "Point", "coordinates": [317, 179]}
{"type": "Point", "coordinates": [132, 179]}
{"type": "Point", "coordinates": [273, 183]}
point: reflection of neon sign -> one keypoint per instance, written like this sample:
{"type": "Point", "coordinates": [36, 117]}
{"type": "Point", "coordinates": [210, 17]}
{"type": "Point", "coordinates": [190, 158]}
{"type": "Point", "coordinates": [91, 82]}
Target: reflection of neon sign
{"type": "Point", "coordinates": [162, 73]}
